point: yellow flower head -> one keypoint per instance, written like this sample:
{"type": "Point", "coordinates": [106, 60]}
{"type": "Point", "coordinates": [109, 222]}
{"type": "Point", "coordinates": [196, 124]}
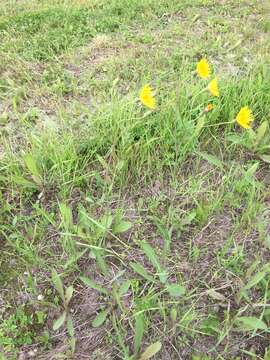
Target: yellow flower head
{"type": "Point", "coordinates": [245, 117]}
{"type": "Point", "coordinates": [147, 98]}
{"type": "Point", "coordinates": [203, 69]}
{"type": "Point", "coordinates": [213, 87]}
{"type": "Point", "coordinates": [208, 108]}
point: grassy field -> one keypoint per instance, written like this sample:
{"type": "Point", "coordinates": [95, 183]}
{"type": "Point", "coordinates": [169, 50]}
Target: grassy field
{"type": "Point", "coordinates": [125, 232]}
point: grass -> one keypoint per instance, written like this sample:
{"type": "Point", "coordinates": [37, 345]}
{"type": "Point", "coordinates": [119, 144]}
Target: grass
{"type": "Point", "coordinates": [128, 233]}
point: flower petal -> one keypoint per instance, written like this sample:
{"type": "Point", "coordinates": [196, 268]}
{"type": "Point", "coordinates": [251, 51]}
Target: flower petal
{"type": "Point", "coordinates": [147, 98]}
{"type": "Point", "coordinates": [245, 117]}
{"type": "Point", "coordinates": [213, 87]}
{"type": "Point", "coordinates": [203, 68]}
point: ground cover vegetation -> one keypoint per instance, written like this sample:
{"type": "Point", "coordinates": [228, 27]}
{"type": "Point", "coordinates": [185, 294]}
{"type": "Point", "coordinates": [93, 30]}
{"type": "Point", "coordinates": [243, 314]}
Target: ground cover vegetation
{"type": "Point", "coordinates": [134, 182]}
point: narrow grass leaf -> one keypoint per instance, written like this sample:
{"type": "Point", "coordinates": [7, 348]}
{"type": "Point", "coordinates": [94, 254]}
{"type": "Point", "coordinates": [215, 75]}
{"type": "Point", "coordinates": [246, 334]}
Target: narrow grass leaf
{"type": "Point", "coordinates": [60, 321]}
{"type": "Point", "coordinates": [151, 351]}
{"type": "Point", "coordinates": [139, 269]}
{"type": "Point", "coordinates": [139, 331]}
{"type": "Point", "coordinates": [89, 282]}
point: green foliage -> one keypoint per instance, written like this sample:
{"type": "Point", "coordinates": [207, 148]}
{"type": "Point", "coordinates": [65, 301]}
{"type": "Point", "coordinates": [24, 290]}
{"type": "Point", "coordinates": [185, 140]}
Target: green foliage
{"type": "Point", "coordinates": [156, 221]}
{"type": "Point", "coordinates": [18, 328]}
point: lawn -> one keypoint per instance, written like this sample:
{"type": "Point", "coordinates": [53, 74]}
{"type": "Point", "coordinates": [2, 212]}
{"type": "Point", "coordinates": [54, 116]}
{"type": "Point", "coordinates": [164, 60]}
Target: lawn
{"type": "Point", "coordinates": [134, 227]}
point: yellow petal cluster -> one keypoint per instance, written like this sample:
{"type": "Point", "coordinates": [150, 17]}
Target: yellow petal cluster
{"type": "Point", "coordinates": [245, 117]}
{"type": "Point", "coordinates": [147, 98]}
{"type": "Point", "coordinates": [203, 69]}
{"type": "Point", "coordinates": [213, 87]}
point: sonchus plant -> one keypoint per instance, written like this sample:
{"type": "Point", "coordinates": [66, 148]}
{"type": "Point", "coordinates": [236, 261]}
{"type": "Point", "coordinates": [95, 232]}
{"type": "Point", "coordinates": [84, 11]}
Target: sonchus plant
{"type": "Point", "coordinates": [65, 318]}
{"type": "Point", "coordinates": [256, 141]}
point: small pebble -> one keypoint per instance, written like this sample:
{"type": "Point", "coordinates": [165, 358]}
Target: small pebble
{"type": "Point", "coordinates": [32, 353]}
{"type": "Point", "coordinates": [22, 356]}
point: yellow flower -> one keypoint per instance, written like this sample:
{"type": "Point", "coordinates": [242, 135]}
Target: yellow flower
{"type": "Point", "coordinates": [245, 117]}
{"type": "Point", "coordinates": [208, 108]}
{"type": "Point", "coordinates": [147, 98]}
{"type": "Point", "coordinates": [213, 87]}
{"type": "Point", "coordinates": [203, 69]}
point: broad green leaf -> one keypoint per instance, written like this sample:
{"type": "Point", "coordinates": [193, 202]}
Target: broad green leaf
{"type": "Point", "coordinates": [251, 135]}
{"type": "Point", "coordinates": [106, 221]}
{"type": "Point", "coordinates": [73, 345]}
{"type": "Point", "coordinates": [199, 126]}
{"type": "Point", "coordinates": [139, 331]}
{"type": "Point", "coordinates": [103, 162]}
{"type": "Point", "coordinates": [255, 280]}
{"type": "Point", "coordinates": [213, 160]}
{"type": "Point", "coordinates": [151, 351]}
{"type": "Point", "coordinates": [267, 354]}
{"type": "Point", "coordinates": [166, 235]}
{"type": "Point", "coordinates": [163, 277]}
{"type": "Point", "coordinates": [236, 139]}
{"type": "Point", "coordinates": [66, 215]}
{"type": "Point", "coordinates": [69, 293]}
{"type": "Point", "coordinates": [216, 295]}
{"type": "Point", "coordinates": [188, 219]}
{"type": "Point", "coordinates": [261, 132]}
{"type": "Point", "coordinates": [57, 282]}
{"type": "Point", "coordinates": [265, 158]}
{"type": "Point", "coordinates": [139, 269]}
{"type": "Point", "coordinates": [173, 314]}
{"type": "Point", "coordinates": [124, 287]}
{"type": "Point", "coordinates": [19, 180]}
{"type": "Point", "coordinates": [121, 227]}
{"type": "Point", "coordinates": [60, 321]}
{"type": "Point", "coordinates": [150, 253]}
{"type": "Point", "coordinates": [89, 282]}
{"type": "Point", "coordinates": [31, 164]}
{"type": "Point", "coordinates": [198, 357]}
{"type": "Point", "coordinates": [70, 327]}
{"type": "Point", "coordinates": [176, 290]}
{"type": "Point", "coordinates": [100, 318]}
{"type": "Point", "coordinates": [252, 170]}
{"type": "Point", "coordinates": [250, 323]}
{"type": "Point", "coordinates": [99, 254]}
